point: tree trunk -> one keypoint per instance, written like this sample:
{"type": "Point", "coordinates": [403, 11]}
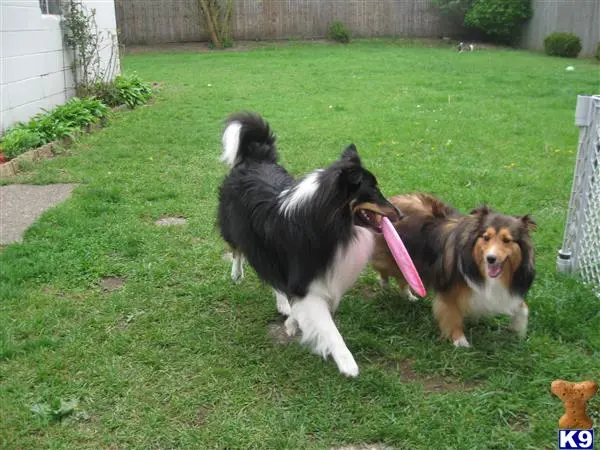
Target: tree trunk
{"type": "Point", "coordinates": [208, 18]}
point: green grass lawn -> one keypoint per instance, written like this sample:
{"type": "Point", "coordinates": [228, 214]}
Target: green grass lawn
{"type": "Point", "coordinates": [181, 357]}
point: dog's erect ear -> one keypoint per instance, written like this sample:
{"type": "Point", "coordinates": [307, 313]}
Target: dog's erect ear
{"type": "Point", "coordinates": [481, 211]}
{"type": "Point", "coordinates": [352, 175]}
{"type": "Point", "coordinates": [529, 223]}
{"type": "Point", "coordinates": [351, 154]}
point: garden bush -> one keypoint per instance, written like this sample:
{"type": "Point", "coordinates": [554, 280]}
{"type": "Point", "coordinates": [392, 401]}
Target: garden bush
{"type": "Point", "coordinates": [64, 120]}
{"type": "Point", "coordinates": [70, 118]}
{"type": "Point", "coordinates": [566, 45]}
{"type": "Point", "coordinates": [18, 140]}
{"type": "Point", "coordinates": [499, 19]}
{"type": "Point", "coordinates": [338, 32]}
{"type": "Point", "coordinates": [127, 90]}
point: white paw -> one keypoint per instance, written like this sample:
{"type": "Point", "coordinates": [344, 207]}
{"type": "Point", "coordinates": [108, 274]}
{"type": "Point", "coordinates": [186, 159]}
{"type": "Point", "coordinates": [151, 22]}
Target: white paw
{"type": "Point", "coordinates": [237, 276]}
{"type": "Point", "coordinates": [462, 342]}
{"type": "Point", "coordinates": [283, 305]}
{"type": "Point", "coordinates": [346, 364]}
{"type": "Point", "coordinates": [237, 270]}
{"type": "Point", "coordinates": [291, 326]}
{"type": "Point", "coordinates": [519, 322]}
{"type": "Point", "coordinates": [409, 295]}
{"type": "Point", "coordinates": [520, 328]}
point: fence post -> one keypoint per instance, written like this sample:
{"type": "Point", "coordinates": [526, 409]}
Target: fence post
{"type": "Point", "coordinates": [580, 251]}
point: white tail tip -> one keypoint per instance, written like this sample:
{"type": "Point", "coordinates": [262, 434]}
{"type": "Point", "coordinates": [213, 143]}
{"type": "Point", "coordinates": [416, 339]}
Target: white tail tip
{"type": "Point", "coordinates": [231, 143]}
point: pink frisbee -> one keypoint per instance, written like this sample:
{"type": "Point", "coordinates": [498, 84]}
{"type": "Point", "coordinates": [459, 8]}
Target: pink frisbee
{"type": "Point", "coordinates": [402, 257]}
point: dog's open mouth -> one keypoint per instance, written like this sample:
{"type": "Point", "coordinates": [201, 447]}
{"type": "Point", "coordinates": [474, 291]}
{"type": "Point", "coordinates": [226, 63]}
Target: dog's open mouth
{"type": "Point", "coordinates": [369, 215]}
{"type": "Point", "coordinates": [494, 270]}
{"type": "Point", "coordinates": [369, 218]}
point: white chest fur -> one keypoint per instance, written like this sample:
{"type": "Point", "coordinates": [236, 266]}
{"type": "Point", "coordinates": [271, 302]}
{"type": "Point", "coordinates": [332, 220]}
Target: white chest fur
{"type": "Point", "coordinates": [492, 298]}
{"type": "Point", "coordinates": [346, 267]}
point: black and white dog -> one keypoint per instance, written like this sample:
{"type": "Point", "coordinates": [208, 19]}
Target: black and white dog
{"type": "Point", "coordinates": [308, 238]}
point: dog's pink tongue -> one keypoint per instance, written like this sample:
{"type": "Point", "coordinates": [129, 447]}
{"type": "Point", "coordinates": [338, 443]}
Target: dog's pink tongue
{"type": "Point", "coordinates": [402, 257]}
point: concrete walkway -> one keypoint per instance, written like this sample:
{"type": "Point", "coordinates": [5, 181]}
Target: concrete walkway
{"type": "Point", "coordinates": [22, 204]}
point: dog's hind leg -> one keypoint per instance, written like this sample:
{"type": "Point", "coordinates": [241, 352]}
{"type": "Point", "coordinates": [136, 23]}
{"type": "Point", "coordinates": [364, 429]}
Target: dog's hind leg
{"type": "Point", "coordinates": [318, 329]}
{"type": "Point", "coordinates": [237, 267]}
{"type": "Point", "coordinates": [283, 305]}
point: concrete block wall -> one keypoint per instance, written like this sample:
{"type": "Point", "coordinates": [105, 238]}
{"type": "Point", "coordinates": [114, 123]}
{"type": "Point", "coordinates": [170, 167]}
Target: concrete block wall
{"type": "Point", "coordinates": [35, 69]}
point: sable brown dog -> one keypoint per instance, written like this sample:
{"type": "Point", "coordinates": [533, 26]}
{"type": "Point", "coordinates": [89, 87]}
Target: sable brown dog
{"type": "Point", "coordinates": [482, 263]}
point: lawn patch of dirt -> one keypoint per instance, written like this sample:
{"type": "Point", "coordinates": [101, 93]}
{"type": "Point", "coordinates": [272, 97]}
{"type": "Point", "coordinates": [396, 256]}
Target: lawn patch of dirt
{"type": "Point", "coordinates": [171, 220]}
{"type": "Point", "coordinates": [431, 383]}
{"type": "Point", "coordinates": [109, 284]}
{"type": "Point", "coordinates": [202, 47]}
{"type": "Point", "coordinates": [201, 416]}
{"type": "Point", "coordinates": [277, 333]}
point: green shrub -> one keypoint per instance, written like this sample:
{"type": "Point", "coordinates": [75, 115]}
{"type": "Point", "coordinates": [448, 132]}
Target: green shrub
{"type": "Point", "coordinates": [338, 32]}
{"type": "Point", "coordinates": [566, 45]}
{"type": "Point", "coordinates": [598, 51]}
{"type": "Point", "coordinates": [132, 90]}
{"type": "Point", "coordinates": [107, 92]}
{"type": "Point", "coordinates": [127, 90]}
{"type": "Point", "coordinates": [227, 42]}
{"type": "Point", "coordinates": [499, 19]}
{"type": "Point", "coordinates": [18, 140]}
{"type": "Point", "coordinates": [64, 120]}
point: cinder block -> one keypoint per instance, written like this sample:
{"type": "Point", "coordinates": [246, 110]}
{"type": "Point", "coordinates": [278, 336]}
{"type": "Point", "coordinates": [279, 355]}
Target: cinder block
{"type": "Point", "coordinates": [21, 17]}
{"type": "Point", "coordinates": [53, 83]}
{"type": "Point", "coordinates": [26, 91]}
{"type": "Point", "coordinates": [25, 112]}
{"type": "Point", "coordinates": [19, 68]}
{"type": "Point", "coordinates": [3, 97]}
{"type": "Point", "coordinates": [26, 42]}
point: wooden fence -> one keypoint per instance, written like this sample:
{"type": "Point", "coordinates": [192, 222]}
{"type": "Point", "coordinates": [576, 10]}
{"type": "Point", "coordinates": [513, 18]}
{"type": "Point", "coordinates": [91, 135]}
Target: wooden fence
{"type": "Point", "coordinates": [161, 21]}
{"type": "Point", "coordinates": [581, 17]}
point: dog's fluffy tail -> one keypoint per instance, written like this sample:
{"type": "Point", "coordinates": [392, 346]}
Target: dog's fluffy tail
{"type": "Point", "coordinates": [247, 137]}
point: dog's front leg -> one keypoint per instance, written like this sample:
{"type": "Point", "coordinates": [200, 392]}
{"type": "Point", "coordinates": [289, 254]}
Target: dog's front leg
{"type": "Point", "coordinates": [237, 267]}
{"type": "Point", "coordinates": [283, 305]}
{"type": "Point", "coordinates": [519, 320]}
{"type": "Point", "coordinates": [318, 329]}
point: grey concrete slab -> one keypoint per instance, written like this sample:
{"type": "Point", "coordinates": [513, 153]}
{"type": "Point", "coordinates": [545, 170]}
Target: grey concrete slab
{"type": "Point", "coordinates": [22, 204]}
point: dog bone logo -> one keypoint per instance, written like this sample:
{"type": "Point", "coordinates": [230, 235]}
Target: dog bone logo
{"type": "Point", "coordinates": [574, 397]}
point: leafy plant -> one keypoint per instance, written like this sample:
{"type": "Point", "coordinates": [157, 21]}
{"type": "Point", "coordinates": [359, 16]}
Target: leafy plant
{"type": "Point", "coordinates": [132, 90]}
{"type": "Point", "coordinates": [499, 19]}
{"type": "Point", "coordinates": [127, 90]}
{"type": "Point", "coordinates": [567, 45]}
{"type": "Point", "coordinates": [56, 411]}
{"type": "Point", "coordinates": [64, 120]}
{"type": "Point", "coordinates": [49, 128]}
{"type": "Point", "coordinates": [338, 32]}
{"type": "Point", "coordinates": [20, 139]}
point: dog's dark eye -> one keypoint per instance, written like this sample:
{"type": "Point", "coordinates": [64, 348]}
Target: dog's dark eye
{"type": "Point", "coordinates": [485, 237]}
{"type": "Point", "coordinates": [506, 240]}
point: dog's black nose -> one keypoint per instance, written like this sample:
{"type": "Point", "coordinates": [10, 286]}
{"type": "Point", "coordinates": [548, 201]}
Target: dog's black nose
{"type": "Point", "coordinates": [491, 259]}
